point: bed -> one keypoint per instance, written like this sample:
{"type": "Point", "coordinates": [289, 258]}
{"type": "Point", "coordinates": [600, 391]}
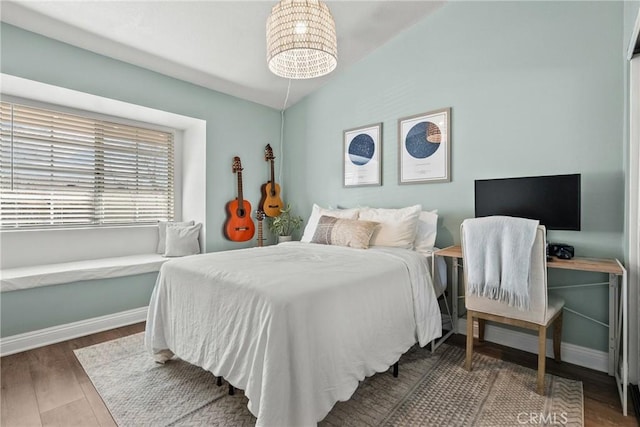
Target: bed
{"type": "Point", "coordinates": [295, 325]}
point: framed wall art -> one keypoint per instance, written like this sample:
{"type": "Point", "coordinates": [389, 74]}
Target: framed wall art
{"type": "Point", "coordinates": [362, 153]}
{"type": "Point", "coordinates": [424, 142]}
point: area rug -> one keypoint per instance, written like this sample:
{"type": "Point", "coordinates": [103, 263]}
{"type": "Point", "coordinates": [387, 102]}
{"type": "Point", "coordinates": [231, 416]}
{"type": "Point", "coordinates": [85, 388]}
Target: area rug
{"type": "Point", "coordinates": [431, 390]}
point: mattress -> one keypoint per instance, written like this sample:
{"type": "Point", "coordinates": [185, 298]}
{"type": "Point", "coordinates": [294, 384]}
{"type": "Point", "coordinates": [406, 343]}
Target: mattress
{"type": "Point", "coordinates": [295, 325]}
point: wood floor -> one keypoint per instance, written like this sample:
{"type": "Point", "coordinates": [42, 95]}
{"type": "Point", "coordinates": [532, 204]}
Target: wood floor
{"type": "Point", "coordinates": [48, 387]}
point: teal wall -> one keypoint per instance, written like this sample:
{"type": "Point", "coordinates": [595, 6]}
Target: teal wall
{"type": "Point", "coordinates": [535, 88]}
{"type": "Point", "coordinates": [234, 127]}
{"type": "Point", "coordinates": [39, 308]}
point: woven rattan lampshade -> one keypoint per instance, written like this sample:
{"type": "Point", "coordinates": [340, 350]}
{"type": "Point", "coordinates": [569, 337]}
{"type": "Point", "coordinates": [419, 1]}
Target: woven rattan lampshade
{"type": "Point", "coordinates": [301, 39]}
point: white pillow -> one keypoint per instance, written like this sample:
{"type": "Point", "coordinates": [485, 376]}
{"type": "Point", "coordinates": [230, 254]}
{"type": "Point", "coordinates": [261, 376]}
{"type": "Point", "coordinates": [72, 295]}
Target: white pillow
{"type": "Point", "coordinates": [397, 226]}
{"type": "Point", "coordinates": [317, 212]}
{"type": "Point", "coordinates": [182, 240]}
{"type": "Point", "coordinates": [426, 232]}
{"type": "Point", "coordinates": [162, 233]}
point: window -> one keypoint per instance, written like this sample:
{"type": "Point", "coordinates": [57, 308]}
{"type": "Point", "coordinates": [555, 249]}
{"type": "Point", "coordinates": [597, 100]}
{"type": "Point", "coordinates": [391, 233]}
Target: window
{"type": "Point", "coordinates": [59, 169]}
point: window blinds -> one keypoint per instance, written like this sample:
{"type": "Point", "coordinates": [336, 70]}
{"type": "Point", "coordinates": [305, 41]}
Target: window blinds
{"type": "Point", "coordinates": [59, 169]}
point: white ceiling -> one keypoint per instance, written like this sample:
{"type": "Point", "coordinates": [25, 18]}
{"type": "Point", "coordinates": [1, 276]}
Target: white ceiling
{"type": "Point", "coordinates": [215, 44]}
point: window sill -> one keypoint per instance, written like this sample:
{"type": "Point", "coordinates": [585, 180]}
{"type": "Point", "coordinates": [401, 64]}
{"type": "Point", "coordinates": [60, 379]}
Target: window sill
{"type": "Point", "coordinates": [13, 279]}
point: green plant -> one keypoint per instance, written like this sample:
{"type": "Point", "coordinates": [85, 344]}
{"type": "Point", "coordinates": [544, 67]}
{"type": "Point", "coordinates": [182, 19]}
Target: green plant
{"type": "Point", "coordinates": [285, 223]}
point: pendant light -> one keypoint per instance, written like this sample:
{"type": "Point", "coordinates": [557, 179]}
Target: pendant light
{"type": "Point", "coordinates": [301, 39]}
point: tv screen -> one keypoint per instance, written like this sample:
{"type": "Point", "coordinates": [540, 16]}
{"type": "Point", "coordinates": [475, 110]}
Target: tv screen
{"type": "Point", "coordinates": [553, 200]}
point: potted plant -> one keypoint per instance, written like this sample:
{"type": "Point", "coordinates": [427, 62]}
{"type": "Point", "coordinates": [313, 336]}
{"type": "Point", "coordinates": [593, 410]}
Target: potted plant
{"type": "Point", "coordinates": [284, 224]}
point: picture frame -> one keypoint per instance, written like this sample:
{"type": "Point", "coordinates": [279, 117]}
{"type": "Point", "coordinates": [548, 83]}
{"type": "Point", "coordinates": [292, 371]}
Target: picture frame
{"type": "Point", "coordinates": [362, 156]}
{"type": "Point", "coordinates": [424, 147]}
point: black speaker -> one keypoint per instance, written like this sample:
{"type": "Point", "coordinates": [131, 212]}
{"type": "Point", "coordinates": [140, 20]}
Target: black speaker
{"type": "Point", "coordinates": [560, 250]}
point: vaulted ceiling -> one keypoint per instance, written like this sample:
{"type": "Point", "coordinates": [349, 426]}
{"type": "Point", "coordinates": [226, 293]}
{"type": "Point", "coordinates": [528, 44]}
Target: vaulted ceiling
{"type": "Point", "coordinates": [216, 44]}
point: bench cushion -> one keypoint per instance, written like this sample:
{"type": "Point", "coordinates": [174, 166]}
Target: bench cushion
{"type": "Point", "coordinates": [12, 279]}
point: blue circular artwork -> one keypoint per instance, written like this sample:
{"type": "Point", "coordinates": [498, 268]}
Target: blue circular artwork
{"type": "Point", "coordinates": [361, 149]}
{"type": "Point", "coordinates": [423, 140]}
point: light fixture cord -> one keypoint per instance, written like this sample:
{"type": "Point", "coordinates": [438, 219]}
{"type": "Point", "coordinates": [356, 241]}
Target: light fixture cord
{"type": "Point", "coordinates": [286, 99]}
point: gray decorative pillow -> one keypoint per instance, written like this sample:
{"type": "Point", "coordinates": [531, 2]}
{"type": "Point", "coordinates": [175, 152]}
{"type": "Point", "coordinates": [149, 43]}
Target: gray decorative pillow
{"type": "Point", "coordinates": [162, 233]}
{"type": "Point", "coordinates": [182, 240]}
{"type": "Point", "coordinates": [344, 232]}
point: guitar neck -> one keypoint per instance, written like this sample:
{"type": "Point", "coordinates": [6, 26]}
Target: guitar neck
{"type": "Point", "coordinates": [240, 199]}
{"type": "Point", "coordinates": [273, 192]}
{"type": "Point", "coordinates": [273, 175]}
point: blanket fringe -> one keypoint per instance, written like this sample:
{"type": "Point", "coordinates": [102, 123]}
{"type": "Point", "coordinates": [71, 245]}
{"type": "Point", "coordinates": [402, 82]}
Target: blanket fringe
{"type": "Point", "coordinates": [494, 292]}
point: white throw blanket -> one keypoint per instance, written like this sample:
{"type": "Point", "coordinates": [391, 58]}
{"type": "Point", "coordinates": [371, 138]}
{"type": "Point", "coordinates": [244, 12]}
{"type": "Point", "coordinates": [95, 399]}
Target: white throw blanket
{"type": "Point", "coordinates": [497, 257]}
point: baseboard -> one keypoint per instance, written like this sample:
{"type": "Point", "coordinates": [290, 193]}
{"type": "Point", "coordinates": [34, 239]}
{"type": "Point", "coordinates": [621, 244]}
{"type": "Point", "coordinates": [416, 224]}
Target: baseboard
{"type": "Point", "coordinates": [571, 353]}
{"type": "Point", "coordinates": [29, 340]}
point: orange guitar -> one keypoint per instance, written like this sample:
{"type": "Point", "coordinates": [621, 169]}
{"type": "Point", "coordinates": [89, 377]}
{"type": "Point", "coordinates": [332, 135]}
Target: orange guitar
{"type": "Point", "coordinates": [271, 203]}
{"type": "Point", "coordinates": [239, 226]}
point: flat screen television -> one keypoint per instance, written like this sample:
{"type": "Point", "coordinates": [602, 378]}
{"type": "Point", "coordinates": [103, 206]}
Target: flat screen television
{"type": "Point", "coordinates": [553, 200]}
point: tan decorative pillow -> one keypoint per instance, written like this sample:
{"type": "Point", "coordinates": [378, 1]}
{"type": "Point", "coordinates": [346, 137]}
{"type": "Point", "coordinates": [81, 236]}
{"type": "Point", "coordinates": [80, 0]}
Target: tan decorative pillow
{"type": "Point", "coordinates": [344, 232]}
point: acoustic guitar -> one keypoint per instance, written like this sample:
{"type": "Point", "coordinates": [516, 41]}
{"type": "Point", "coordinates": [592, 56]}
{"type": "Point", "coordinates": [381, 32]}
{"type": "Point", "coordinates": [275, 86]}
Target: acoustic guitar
{"type": "Point", "coordinates": [271, 203]}
{"type": "Point", "coordinates": [239, 225]}
{"type": "Point", "coordinates": [260, 218]}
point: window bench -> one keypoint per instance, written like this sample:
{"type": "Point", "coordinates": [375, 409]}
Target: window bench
{"type": "Point", "coordinates": [12, 279]}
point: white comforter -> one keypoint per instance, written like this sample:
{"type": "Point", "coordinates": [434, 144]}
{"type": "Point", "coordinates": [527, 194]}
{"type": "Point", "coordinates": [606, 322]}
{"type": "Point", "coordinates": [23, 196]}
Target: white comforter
{"type": "Point", "coordinates": [296, 325]}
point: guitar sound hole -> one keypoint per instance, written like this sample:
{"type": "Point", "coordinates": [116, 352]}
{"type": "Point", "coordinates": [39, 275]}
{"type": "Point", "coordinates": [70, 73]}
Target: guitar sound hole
{"type": "Point", "coordinates": [240, 213]}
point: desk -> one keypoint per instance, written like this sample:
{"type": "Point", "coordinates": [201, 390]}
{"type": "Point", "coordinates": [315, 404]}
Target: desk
{"type": "Point", "coordinates": [618, 328]}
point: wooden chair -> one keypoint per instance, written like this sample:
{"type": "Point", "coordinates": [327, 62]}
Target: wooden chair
{"type": "Point", "coordinates": [544, 310]}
